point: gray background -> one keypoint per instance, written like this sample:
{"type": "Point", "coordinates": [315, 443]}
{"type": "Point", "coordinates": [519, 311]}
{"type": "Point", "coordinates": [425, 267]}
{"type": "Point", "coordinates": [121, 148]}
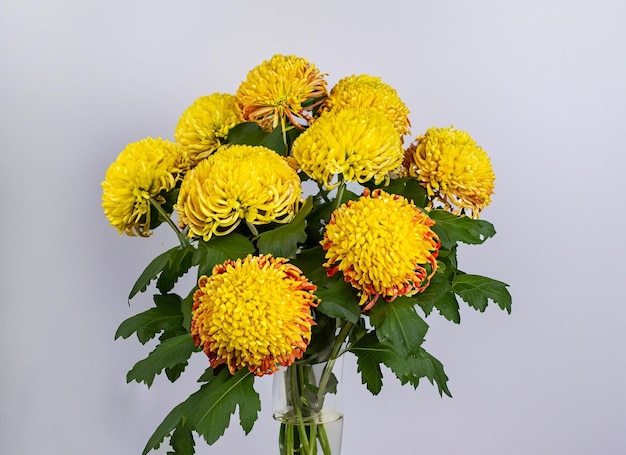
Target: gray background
{"type": "Point", "coordinates": [539, 84]}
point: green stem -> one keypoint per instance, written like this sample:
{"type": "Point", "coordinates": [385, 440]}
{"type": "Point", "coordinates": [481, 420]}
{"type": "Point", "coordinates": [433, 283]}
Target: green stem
{"type": "Point", "coordinates": [339, 195]}
{"type": "Point", "coordinates": [328, 369]}
{"type": "Point", "coordinates": [181, 238]}
{"type": "Point", "coordinates": [295, 398]}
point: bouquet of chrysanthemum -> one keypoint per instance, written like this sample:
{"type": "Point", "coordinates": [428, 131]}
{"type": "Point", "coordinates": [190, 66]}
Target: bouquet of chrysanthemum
{"type": "Point", "coordinates": [289, 280]}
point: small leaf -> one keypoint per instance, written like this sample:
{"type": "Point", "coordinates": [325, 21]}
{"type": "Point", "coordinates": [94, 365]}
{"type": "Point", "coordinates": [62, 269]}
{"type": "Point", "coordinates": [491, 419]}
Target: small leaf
{"type": "Point", "coordinates": [407, 187]}
{"type": "Point", "coordinates": [166, 316]}
{"type": "Point", "coordinates": [182, 440]}
{"type": "Point", "coordinates": [452, 229]}
{"type": "Point", "coordinates": [219, 249]}
{"type": "Point", "coordinates": [370, 353]}
{"type": "Point", "coordinates": [283, 241]}
{"type": "Point", "coordinates": [339, 301]}
{"type": "Point", "coordinates": [310, 263]}
{"type": "Point", "coordinates": [151, 272]}
{"type": "Point", "coordinates": [477, 290]}
{"type": "Point", "coordinates": [179, 263]}
{"type": "Point", "coordinates": [167, 354]}
{"type": "Point", "coordinates": [398, 323]}
{"type": "Point", "coordinates": [439, 295]}
{"type": "Point", "coordinates": [211, 407]}
{"type": "Point", "coordinates": [171, 421]}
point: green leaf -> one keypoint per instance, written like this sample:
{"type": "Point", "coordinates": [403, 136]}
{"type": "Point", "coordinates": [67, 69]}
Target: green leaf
{"type": "Point", "coordinates": [406, 187]}
{"type": "Point", "coordinates": [219, 249]}
{"type": "Point", "coordinates": [167, 354]}
{"type": "Point", "coordinates": [211, 407]}
{"type": "Point", "coordinates": [320, 215]}
{"type": "Point", "coordinates": [398, 323]}
{"type": "Point", "coordinates": [179, 263]}
{"type": "Point", "coordinates": [166, 316]}
{"type": "Point", "coordinates": [452, 229]}
{"type": "Point", "coordinates": [283, 241]}
{"type": "Point", "coordinates": [339, 301]}
{"type": "Point", "coordinates": [439, 295]}
{"type": "Point", "coordinates": [171, 421]}
{"type": "Point", "coordinates": [477, 290]}
{"type": "Point", "coordinates": [310, 262]}
{"type": "Point", "coordinates": [250, 133]}
{"type": "Point", "coordinates": [182, 440]}
{"type": "Point", "coordinates": [151, 272]}
{"type": "Point", "coordinates": [370, 354]}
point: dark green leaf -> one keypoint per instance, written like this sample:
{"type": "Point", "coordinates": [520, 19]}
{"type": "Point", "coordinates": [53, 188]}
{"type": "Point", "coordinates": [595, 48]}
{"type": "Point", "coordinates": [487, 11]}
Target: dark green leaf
{"type": "Point", "coordinates": [477, 290]}
{"type": "Point", "coordinates": [167, 354]}
{"type": "Point", "coordinates": [179, 263]}
{"type": "Point", "coordinates": [310, 263]}
{"type": "Point", "coordinates": [182, 440]}
{"type": "Point", "coordinates": [320, 215]}
{"type": "Point", "coordinates": [211, 407]}
{"type": "Point", "coordinates": [166, 316]}
{"type": "Point", "coordinates": [398, 323]}
{"type": "Point", "coordinates": [250, 133]}
{"type": "Point", "coordinates": [173, 373]}
{"type": "Point", "coordinates": [439, 295]}
{"type": "Point", "coordinates": [171, 421]}
{"type": "Point", "coordinates": [219, 249]}
{"type": "Point", "coordinates": [339, 301]}
{"type": "Point", "coordinates": [151, 272]}
{"type": "Point", "coordinates": [370, 354]}
{"type": "Point", "coordinates": [283, 241]}
{"type": "Point", "coordinates": [406, 187]}
{"type": "Point", "coordinates": [452, 229]}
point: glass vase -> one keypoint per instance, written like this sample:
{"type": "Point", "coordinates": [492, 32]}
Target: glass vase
{"type": "Point", "coordinates": [307, 404]}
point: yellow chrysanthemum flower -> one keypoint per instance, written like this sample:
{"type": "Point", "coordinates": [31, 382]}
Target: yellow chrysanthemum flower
{"type": "Point", "coordinates": [253, 313]}
{"type": "Point", "coordinates": [238, 182]}
{"type": "Point", "coordinates": [204, 125]}
{"type": "Point", "coordinates": [284, 88]}
{"type": "Point", "coordinates": [454, 170]}
{"type": "Point", "coordinates": [365, 91]}
{"type": "Point", "coordinates": [143, 170]}
{"type": "Point", "coordinates": [383, 246]}
{"type": "Point", "coordinates": [359, 145]}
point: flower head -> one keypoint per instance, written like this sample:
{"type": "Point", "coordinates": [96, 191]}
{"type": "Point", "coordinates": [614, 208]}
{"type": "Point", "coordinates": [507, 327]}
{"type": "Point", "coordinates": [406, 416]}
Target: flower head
{"type": "Point", "coordinates": [365, 91]}
{"type": "Point", "coordinates": [284, 88]}
{"type": "Point", "coordinates": [356, 144]}
{"type": "Point", "coordinates": [383, 245]}
{"type": "Point", "coordinates": [143, 170]}
{"type": "Point", "coordinates": [238, 182]}
{"type": "Point", "coordinates": [204, 125]}
{"type": "Point", "coordinates": [454, 170]}
{"type": "Point", "coordinates": [253, 312]}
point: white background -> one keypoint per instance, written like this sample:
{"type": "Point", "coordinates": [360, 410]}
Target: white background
{"type": "Point", "coordinates": [541, 85]}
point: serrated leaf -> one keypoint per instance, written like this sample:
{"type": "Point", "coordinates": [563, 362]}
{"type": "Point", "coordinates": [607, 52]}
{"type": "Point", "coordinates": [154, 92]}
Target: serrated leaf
{"type": "Point", "coordinates": [211, 407]}
{"type": "Point", "coordinates": [398, 323]}
{"type": "Point", "coordinates": [179, 263]}
{"type": "Point", "coordinates": [452, 229]}
{"type": "Point", "coordinates": [310, 263]}
{"type": "Point", "coordinates": [182, 440]}
{"type": "Point", "coordinates": [219, 249]}
{"type": "Point", "coordinates": [439, 295]}
{"type": "Point", "coordinates": [339, 301]}
{"type": "Point", "coordinates": [167, 354]}
{"type": "Point", "coordinates": [151, 272]}
{"type": "Point", "coordinates": [370, 353]}
{"type": "Point", "coordinates": [165, 316]}
{"type": "Point", "coordinates": [407, 187]}
{"type": "Point", "coordinates": [477, 290]}
{"type": "Point", "coordinates": [171, 421]}
{"type": "Point", "coordinates": [283, 241]}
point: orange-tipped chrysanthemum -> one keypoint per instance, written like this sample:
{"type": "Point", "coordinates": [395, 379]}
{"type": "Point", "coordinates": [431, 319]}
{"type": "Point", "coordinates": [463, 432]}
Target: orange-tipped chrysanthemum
{"type": "Point", "coordinates": [144, 170]}
{"type": "Point", "coordinates": [370, 92]}
{"type": "Point", "coordinates": [204, 125]}
{"type": "Point", "coordinates": [356, 145]}
{"type": "Point", "coordinates": [282, 90]}
{"type": "Point", "coordinates": [455, 171]}
{"type": "Point", "coordinates": [383, 245]}
{"type": "Point", "coordinates": [236, 183]}
{"type": "Point", "coordinates": [253, 313]}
